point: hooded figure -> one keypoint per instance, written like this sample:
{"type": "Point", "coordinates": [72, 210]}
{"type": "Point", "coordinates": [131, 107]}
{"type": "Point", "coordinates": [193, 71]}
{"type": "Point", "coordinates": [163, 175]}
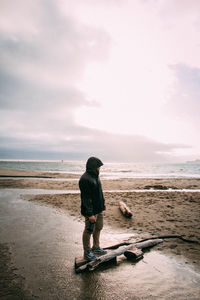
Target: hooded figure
{"type": "Point", "coordinates": [92, 206]}
{"type": "Point", "coordinates": [92, 199]}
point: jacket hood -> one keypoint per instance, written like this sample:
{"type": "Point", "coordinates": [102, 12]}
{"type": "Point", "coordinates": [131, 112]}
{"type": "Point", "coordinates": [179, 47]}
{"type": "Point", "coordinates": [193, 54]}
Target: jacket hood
{"type": "Point", "coordinates": [93, 163]}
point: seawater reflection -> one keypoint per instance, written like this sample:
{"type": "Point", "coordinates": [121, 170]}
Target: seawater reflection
{"type": "Point", "coordinates": [45, 242]}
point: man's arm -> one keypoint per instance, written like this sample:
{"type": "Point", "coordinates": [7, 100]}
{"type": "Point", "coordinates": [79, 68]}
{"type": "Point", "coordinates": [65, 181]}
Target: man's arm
{"type": "Point", "coordinates": [86, 199]}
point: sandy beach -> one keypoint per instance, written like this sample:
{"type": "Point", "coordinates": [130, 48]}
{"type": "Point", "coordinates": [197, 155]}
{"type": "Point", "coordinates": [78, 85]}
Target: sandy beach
{"type": "Point", "coordinates": [66, 181]}
{"type": "Point", "coordinates": [158, 212]}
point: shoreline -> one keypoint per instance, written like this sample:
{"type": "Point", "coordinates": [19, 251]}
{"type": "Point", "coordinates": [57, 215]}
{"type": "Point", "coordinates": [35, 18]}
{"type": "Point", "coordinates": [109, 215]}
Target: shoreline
{"type": "Point", "coordinates": [155, 213]}
{"type": "Point", "coordinates": [104, 176]}
{"type": "Point", "coordinates": [64, 181]}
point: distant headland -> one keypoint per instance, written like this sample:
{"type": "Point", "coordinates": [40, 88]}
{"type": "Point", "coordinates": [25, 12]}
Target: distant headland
{"type": "Point", "coordinates": [196, 161]}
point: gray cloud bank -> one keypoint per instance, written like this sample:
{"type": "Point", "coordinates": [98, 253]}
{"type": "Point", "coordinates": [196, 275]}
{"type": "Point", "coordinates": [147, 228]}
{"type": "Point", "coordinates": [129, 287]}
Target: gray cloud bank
{"type": "Point", "coordinates": [74, 142]}
{"type": "Point", "coordinates": [43, 56]}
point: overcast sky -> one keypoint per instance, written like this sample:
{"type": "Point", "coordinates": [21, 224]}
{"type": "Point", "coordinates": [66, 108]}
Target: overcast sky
{"type": "Point", "coordinates": [118, 79]}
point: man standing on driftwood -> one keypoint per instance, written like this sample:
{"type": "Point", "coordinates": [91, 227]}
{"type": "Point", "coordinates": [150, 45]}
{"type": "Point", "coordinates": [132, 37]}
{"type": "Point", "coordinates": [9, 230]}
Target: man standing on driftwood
{"type": "Point", "coordinates": [92, 207]}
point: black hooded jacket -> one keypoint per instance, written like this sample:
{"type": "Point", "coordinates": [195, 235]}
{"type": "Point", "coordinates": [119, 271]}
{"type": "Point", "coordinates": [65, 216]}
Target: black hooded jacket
{"type": "Point", "coordinates": [92, 199]}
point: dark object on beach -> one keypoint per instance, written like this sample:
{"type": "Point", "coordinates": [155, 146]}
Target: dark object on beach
{"type": "Point", "coordinates": [156, 187]}
{"type": "Point", "coordinates": [132, 251]}
{"type": "Point", "coordinates": [125, 209]}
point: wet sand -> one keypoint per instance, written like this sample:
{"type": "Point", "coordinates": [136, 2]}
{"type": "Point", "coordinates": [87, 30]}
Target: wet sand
{"type": "Point", "coordinates": [155, 213]}
{"type": "Point", "coordinates": [11, 283]}
{"type": "Point", "coordinates": [43, 241]}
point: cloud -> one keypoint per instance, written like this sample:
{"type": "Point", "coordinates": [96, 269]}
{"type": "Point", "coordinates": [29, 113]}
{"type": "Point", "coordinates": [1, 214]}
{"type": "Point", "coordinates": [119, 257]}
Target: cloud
{"type": "Point", "coordinates": [45, 50]}
{"type": "Point", "coordinates": [43, 56]}
{"type": "Point", "coordinates": [184, 100]}
{"type": "Point", "coordinates": [18, 93]}
{"type": "Point", "coordinates": [58, 45]}
{"type": "Point", "coordinates": [85, 142]}
{"type": "Point", "coordinates": [53, 50]}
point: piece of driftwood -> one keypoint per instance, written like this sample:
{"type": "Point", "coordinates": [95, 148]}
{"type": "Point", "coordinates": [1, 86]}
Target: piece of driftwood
{"type": "Point", "coordinates": [80, 261]}
{"type": "Point", "coordinates": [134, 254]}
{"type": "Point", "coordinates": [171, 236]}
{"type": "Point", "coordinates": [120, 259]}
{"type": "Point", "coordinates": [125, 209]}
{"type": "Point", "coordinates": [81, 265]}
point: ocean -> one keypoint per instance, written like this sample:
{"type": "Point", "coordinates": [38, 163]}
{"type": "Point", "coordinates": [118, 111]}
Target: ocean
{"type": "Point", "coordinates": [110, 170]}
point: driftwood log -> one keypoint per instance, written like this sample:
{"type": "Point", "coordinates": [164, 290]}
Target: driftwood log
{"type": "Point", "coordinates": [133, 254]}
{"type": "Point", "coordinates": [131, 251]}
{"type": "Point", "coordinates": [125, 209]}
